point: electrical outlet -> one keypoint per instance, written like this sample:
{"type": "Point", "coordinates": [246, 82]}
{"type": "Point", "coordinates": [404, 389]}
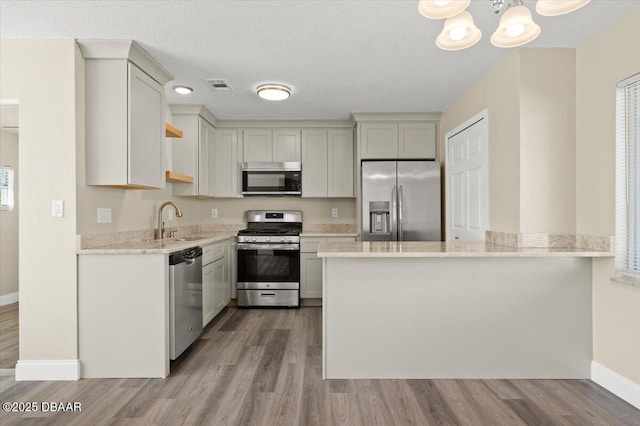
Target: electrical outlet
{"type": "Point", "coordinates": [214, 213]}
{"type": "Point", "coordinates": [57, 208]}
{"type": "Point", "coordinates": [334, 212]}
{"type": "Point", "coordinates": [104, 215]}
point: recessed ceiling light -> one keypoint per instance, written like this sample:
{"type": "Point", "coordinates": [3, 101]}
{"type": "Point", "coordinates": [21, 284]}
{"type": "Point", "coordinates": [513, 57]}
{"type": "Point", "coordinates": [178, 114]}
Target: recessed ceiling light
{"type": "Point", "coordinates": [183, 90]}
{"type": "Point", "coordinates": [273, 92]}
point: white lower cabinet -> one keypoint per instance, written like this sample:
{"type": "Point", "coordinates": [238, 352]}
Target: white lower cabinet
{"type": "Point", "coordinates": [216, 280]}
{"type": "Point", "coordinates": [311, 265]}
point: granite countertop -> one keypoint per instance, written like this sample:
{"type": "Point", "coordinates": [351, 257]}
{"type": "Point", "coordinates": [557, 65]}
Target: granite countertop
{"type": "Point", "coordinates": [167, 245]}
{"type": "Point", "coordinates": [444, 249]}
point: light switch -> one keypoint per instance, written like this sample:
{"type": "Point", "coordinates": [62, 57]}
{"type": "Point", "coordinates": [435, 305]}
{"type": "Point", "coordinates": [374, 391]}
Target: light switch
{"type": "Point", "coordinates": [57, 208]}
{"type": "Point", "coordinates": [334, 212]}
{"type": "Point", "coordinates": [104, 215]}
{"type": "Point", "coordinates": [172, 215]}
{"type": "Point", "coordinates": [214, 213]}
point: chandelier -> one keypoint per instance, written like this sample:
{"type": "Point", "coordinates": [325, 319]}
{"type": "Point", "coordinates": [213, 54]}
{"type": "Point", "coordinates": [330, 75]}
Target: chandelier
{"type": "Point", "coordinates": [516, 26]}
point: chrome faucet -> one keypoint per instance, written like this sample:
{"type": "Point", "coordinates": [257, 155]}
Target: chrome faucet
{"type": "Point", "coordinates": [160, 229]}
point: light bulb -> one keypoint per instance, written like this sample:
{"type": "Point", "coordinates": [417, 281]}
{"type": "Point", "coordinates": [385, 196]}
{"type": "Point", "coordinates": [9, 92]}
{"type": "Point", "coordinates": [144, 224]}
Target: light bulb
{"type": "Point", "coordinates": [515, 30]}
{"type": "Point", "coordinates": [457, 34]}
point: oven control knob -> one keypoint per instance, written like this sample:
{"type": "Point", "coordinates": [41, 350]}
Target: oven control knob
{"type": "Point", "coordinates": [268, 239]}
{"type": "Point", "coordinates": [253, 240]}
{"type": "Point", "coordinates": [282, 240]}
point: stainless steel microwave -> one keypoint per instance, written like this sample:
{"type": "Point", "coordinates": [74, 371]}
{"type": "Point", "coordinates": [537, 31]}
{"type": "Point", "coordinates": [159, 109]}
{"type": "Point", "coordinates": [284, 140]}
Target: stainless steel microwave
{"type": "Point", "coordinates": [271, 178]}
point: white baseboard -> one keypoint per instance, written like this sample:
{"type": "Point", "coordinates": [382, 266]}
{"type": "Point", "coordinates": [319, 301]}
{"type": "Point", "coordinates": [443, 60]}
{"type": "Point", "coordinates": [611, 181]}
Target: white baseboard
{"type": "Point", "coordinates": [9, 298]}
{"type": "Point", "coordinates": [616, 383]}
{"type": "Point", "coordinates": [57, 369]}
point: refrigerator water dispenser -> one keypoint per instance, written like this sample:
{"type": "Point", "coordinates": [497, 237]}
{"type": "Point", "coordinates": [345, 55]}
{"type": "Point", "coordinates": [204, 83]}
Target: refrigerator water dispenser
{"type": "Point", "coordinates": [379, 214]}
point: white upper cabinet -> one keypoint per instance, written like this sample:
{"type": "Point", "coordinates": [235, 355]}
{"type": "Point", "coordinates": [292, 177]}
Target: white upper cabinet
{"type": "Point", "coordinates": [271, 145]}
{"type": "Point", "coordinates": [379, 140]}
{"type": "Point", "coordinates": [327, 163]}
{"type": "Point", "coordinates": [194, 155]}
{"type": "Point", "coordinates": [398, 139]}
{"type": "Point", "coordinates": [314, 162]}
{"type": "Point", "coordinates": [286, 145]}
{"type": "Point", "coordinates": [206, 159]}
{"type": "Point", "coordinates": [258, 145]}
{"type": "Point", "coordinates": [417, 140]}
{"type": "Point", "coordinates": [340, 164]}
{"type": "Point", "coordinates": [124, 115]}
{"type": "Point", "coordinates": [226, 164]}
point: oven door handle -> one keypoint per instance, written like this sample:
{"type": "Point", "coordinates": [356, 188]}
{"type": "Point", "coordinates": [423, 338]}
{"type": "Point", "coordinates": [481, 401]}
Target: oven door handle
{"type": "Point", "coordinates": [291, 247]}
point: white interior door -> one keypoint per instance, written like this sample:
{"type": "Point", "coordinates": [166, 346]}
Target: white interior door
{"type": "Point", "coordinates": [467, 180]}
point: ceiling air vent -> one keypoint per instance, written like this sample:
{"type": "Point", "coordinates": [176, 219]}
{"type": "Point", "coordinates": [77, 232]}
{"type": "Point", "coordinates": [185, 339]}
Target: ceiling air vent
{"type": "Point", "coordinates": [218, 84]}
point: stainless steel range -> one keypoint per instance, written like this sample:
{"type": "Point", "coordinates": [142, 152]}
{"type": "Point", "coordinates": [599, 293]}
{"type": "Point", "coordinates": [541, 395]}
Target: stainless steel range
{"type": "Point", "coordinates": [269, 259]}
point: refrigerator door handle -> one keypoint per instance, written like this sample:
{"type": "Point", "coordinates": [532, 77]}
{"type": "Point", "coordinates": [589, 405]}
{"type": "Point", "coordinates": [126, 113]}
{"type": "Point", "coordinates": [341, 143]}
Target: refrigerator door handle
{"type": "Point", "coordinates": [400, 208]}
{"type": "Point", "coordinates": [394, 211]}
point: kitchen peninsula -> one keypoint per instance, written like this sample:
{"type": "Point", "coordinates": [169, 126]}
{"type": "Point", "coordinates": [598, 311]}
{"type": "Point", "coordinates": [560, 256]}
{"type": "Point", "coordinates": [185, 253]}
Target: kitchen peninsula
{"type": "Point", "coordinates": [456, 310]}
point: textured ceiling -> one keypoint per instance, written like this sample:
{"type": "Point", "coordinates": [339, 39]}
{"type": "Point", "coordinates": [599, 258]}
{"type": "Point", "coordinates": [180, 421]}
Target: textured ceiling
{"type": "Point", "coordinates": [338, 56]}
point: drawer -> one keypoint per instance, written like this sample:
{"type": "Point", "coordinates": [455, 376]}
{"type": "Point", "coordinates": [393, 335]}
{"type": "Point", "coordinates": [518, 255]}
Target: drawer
{"type": "Point", "coordinates": [288, 298]}
{"type": "Point", "coordinates": [310, 244]}
{"type": "Point", "coordinates": [213, 252]}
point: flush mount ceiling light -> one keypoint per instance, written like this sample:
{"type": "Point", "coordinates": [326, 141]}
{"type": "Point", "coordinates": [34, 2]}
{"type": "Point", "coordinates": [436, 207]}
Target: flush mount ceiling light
{"type": "Point", "coordinates": [439, 9]}
{"type": "Point", "coordinates": [273, 92]}
{"type": "Point", "coordinates": [558, 7]}
{"type": "Point", "coordinates": [516, 26]}
{"type": "Point", "coordinates": [458, 33]}
{"type": "Point", "coordinates": [183, 90]}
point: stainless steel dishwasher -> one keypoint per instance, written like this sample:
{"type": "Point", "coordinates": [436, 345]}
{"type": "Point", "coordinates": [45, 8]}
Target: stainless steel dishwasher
{"type": "Point", "coordinates": [185, 303]}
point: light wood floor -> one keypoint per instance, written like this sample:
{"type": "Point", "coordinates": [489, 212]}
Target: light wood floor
{"type": "Point", "coordinates": [263, 367]}
{"type": "Point", "coordinates": [8, 335]}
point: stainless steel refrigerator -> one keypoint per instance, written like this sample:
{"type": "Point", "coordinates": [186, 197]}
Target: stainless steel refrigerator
{"type": "Point", "coordinates": [401, 201]}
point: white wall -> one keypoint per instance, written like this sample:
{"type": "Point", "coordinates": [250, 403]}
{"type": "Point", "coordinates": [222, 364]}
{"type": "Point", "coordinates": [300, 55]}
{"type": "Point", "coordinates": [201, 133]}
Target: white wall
{"type": "Point", "coordinates": [41, 74]}
{"type": "Point", "coordinates": [9, 219]}
{"type": "Point", "coordinates": [604, 60]}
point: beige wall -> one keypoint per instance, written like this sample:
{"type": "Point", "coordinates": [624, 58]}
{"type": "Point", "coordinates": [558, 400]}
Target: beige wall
{"type": "Point", "coordinates": [547, 141]}
{"type": "Point", "coordinates": [530, 97]}
{"type": "Point", "coordinates": [498, 92]}
{"type": "Point", "coordinates": [604, 60]}
{"type": "Point", "coordinates": [9, 219]}
{"type": "Point", "coordinates": [42, 76]}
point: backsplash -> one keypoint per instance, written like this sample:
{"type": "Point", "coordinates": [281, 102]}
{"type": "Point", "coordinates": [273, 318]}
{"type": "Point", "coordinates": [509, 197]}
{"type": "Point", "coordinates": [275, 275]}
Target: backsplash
{"type": "Point", "coordinates": [330, 228]}
{"type": "Point", "coordinates": [580, 241]}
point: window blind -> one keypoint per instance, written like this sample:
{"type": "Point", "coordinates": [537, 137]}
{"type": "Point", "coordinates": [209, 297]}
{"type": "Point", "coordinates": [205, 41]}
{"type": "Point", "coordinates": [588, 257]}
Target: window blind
{"type": "Point", "coordinates": [628, 180]}
{"type": "Point", "coordinates": [6, 188]}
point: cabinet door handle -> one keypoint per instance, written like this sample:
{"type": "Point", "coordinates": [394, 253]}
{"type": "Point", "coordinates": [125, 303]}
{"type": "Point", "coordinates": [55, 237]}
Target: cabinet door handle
{"type": "Point", "coordinates": [268, 294]}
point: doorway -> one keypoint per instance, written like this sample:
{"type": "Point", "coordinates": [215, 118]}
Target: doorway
{"type": "Point", "coordinates": [467, 179]}
{"type": "Point", "coordinates": [9, 207]}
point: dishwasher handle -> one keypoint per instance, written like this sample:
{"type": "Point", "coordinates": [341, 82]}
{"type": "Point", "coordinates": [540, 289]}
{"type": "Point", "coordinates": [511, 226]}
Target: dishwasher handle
{"type": "Point", "coordinates": [187, 256]}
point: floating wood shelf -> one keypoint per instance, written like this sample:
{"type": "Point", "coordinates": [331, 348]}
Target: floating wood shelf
{"type": "Point", "coordinates": [177, 177]}
{"type": "Point", "coordinates": [172, 131]}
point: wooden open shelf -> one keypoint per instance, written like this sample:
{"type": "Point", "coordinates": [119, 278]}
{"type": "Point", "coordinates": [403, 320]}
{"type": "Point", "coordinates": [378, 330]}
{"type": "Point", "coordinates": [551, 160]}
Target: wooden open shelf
{"type": "Point", "coordinates": [177, 177]}
{"type": "Point", "coordinates": [172, 131]}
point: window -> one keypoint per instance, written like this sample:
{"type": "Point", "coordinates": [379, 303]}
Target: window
{"type": "Point", "coordinates": [628, 180]}
{"type": "Point", "coordinates": [6, 188]}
